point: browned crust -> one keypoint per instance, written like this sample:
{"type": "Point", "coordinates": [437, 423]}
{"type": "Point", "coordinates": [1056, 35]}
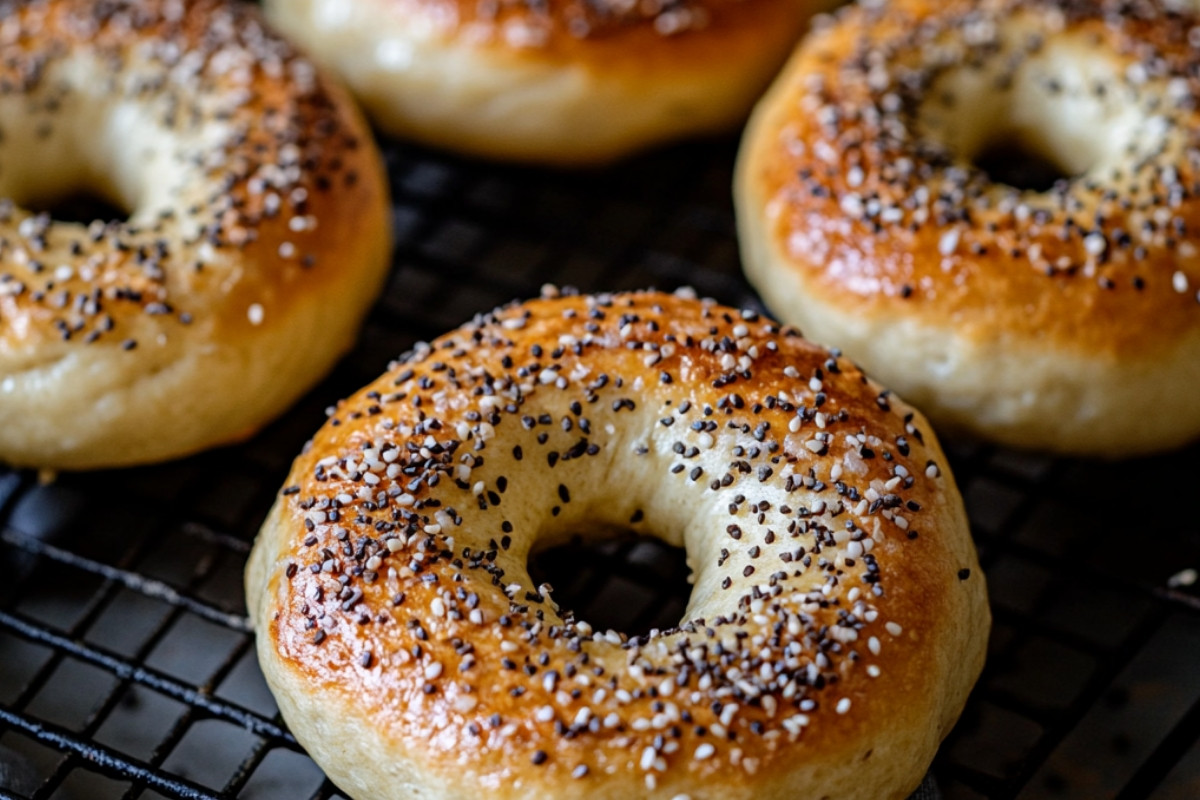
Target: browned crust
{"type": "Point", "coordinates": [1008, 278]}
{"type": "Point", "coordinates": [347, 648]}
{"type": "Point", "coordinates": [650, 40]}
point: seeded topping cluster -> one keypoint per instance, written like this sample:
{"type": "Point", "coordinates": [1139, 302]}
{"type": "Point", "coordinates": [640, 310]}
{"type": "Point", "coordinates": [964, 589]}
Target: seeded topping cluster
{"type": "Point", "coordinates": [414, 508]}
{"type": "Point", "coordinates": [236, 111]}
{"type": "Point", "coordinates": [858, 149]}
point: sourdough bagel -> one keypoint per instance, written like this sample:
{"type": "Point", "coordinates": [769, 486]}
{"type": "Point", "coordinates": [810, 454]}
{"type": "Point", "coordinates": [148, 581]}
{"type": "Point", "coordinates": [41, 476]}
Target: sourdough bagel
{"type": "Point", "coordinates": [562, 81]}
{"type": "Point", "coordinates": [1064, 318]}
{"type": "Point", "coordinates": [837, 620]}
{"type": "Point", "coordinates": [256, 239]}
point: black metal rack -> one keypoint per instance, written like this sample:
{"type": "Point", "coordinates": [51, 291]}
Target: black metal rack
{"type": "Point", "coordinates": [127, 669]}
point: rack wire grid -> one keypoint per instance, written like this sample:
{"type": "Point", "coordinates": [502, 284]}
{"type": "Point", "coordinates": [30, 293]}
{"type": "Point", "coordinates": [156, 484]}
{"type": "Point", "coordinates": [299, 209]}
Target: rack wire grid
{"type": "Point", "coordinates": [126, 661]}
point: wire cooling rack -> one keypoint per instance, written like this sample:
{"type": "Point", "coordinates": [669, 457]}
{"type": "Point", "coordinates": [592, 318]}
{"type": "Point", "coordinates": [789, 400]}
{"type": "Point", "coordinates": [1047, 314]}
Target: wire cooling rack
{"type": "Point", "coordinates": [126, 664]}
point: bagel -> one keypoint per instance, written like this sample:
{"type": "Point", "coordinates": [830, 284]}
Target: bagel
{"type": "Point", "coordinates": [837, 620]}
{"type": "Point", "coordinates": [559, 82]}
{"type": "Point", "coordinates": [1061, 318]}
{"type": "Point", "coordinates": [257, 234]}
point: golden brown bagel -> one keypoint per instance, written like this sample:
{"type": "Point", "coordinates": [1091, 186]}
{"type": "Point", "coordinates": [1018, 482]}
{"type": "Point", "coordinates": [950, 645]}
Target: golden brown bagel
{"type": "Point", "coordinates": [562, 81]}
{"type": "Point", "coordinates": [257, 232]}
{"type": "Point", "coordinates": [838, 616]}
{"type": "Point", "coordinates": [1065, 319]}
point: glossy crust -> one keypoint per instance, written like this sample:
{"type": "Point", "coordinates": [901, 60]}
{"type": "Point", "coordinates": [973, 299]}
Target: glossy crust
{"type": "Point", "coordinates": [257, 235]}
{"type": "Point", "coordinates": [561, 82]}
{"type": "Point", "coordinates": [838, 617]}
{"type": "Point", "coordinates": [1066, 319]}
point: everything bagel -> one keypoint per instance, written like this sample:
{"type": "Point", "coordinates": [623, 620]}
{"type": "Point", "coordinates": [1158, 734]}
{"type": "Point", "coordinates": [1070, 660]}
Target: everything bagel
{"type": "Point", "coordinates": [256, 239]}
{"type": "Point", "coordinates": [1062, 318]}
{"type": "Point", "coordinates": [560, 81]}
{"type": "Point", "coordinates": [837, 619]}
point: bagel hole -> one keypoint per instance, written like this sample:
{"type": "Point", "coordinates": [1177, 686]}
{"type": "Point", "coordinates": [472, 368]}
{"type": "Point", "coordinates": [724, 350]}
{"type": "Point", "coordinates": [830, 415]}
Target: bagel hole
{"type": "Point", "coordinates": [1013, 163]}
{"type": "Point", "coordinates": [81, 205]}
{"type": "Point", "coordinates": [628, 583]}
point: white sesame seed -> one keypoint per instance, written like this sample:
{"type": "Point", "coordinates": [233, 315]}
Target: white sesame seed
{"type": "Point", "coordinates": [1095, 243]}
{"type": "Point", "coordinates": [544, 714]}
{"type": "Point", "coordinates": [894, 628]}
{"type": "Point", "coordinates": [648, 757]}
{"type": "Point", "coordinates": [843, 705]}
{"type": "Point", "coordinates": [1180, 282]}
{"type": "Point", "coordinates": [433, 671]}
{"type": "Point", "coordinates": [704, 751]}
{"type": "Point", "coordinates": [949, 241]}
{"type": "Point", "coordinates": [255, 314]}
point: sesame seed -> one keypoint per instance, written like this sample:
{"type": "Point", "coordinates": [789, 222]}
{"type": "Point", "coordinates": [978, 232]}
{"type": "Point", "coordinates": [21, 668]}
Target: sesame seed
{"type": "Point", "coordinates": [1095, 244]}
{"type": "Point", "coordinates": [949, 242]}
